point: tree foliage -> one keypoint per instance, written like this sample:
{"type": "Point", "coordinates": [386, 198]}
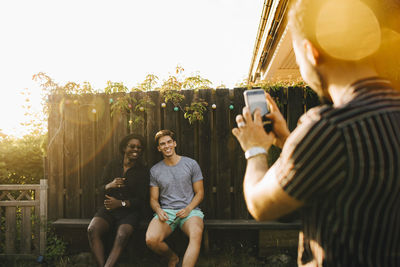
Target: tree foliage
{"type": "Point", "coordinates": [21, 160]}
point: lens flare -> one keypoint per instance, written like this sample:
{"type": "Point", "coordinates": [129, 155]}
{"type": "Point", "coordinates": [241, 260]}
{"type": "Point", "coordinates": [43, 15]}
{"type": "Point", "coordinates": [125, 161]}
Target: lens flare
{"type": "Point", "coordinates": [348, 30]}
{"type": "Point", "coordinates": [387, 60]}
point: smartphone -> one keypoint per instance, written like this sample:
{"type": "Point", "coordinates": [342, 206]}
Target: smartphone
{"type": "Point", "coordinates": [255, 98]}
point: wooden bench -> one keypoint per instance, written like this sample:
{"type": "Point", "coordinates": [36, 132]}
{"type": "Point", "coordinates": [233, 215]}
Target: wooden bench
{"type": "Point", "coordinates": [270, 232]}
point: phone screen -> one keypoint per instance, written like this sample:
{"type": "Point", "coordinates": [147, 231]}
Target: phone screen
{"type": "Point", "coordinates": [256, 99]}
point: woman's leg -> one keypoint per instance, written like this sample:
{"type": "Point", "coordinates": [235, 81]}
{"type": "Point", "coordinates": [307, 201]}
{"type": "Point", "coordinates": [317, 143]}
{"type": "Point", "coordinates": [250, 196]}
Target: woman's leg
{"type": "Point", "coordinates": [97, 227]}
{"type": "Point", "coordinates": [124, 232]}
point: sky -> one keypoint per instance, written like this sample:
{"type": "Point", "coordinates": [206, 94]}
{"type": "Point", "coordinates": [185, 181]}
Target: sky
{"type": "Point", "coordinates": [120, 41]}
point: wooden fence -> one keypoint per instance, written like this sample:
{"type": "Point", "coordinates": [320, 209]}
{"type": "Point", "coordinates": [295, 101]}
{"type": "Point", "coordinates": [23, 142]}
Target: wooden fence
{"type": "Point", "coordinates": [83, 137]}
{"type": "Point", "coordinates": [24, 209]}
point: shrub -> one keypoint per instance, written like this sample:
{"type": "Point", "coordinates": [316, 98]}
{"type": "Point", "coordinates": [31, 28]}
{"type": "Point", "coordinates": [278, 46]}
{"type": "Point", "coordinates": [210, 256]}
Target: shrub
{"type": "Point", "coordinates": [21, 160]}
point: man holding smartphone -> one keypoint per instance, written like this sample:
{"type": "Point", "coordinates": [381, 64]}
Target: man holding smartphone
{"type": "Point", "coordinates": [340, 166]}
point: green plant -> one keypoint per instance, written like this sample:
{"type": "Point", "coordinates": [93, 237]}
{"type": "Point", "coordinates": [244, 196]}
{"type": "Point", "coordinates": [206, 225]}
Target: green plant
{"type": "Point", "coordinates": [174, 96]}
{"type": "Point", "coordinates": [55, 247]}
{"type": "Point", "coordinates": [171, 92]}
{"type": "Point", "coordinates": [195, 111]}
{"type": "Point", "coordinates": [50, 87]}
{"type": "Point", "coordinates": [123, 102]}
{"type": "Point", "coordinates": [21, 160]}
{"type": "Point", "coordinates": [196, 82]}
{"type": "Point", "coordinates": [142, 105]}
{"type": "Point", "coordinates": [148, 84]}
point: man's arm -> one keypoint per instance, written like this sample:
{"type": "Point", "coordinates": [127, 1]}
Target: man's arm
{"type": "Point", "coordinates": [198, 189]}
{"type": "Point", "coordinates": [265, 198]}
{"type": "Point", "coordinates": [155, 204]}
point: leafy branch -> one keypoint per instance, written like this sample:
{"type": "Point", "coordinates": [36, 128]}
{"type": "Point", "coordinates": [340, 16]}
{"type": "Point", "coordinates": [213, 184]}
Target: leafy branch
{"type": "Point", "coordinates": [195, 111]}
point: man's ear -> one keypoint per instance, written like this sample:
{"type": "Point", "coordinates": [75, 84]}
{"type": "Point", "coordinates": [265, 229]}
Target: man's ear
{"type": "Point", "coordinates": [312, 53]}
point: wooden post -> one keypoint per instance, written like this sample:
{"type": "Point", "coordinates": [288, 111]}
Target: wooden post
{"type": "Point", "coordinates": [10, 229]}
{"type": "Point", "coordinates": [26, 230]}
{"type": "Point", "coordinates": [43, 215]}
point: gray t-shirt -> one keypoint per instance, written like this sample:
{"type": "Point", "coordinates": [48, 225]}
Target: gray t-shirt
{"type": "Point", "coordinates": [175, 183]}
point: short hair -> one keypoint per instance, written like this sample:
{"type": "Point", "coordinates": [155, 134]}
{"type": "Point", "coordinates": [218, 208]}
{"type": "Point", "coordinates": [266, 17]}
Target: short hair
{"type": "Point", "coordinates": [162, 133]}
{"type": "Point", "coordinates": [303, 17]}
{"type": "Point", "coordinates": [124, 142]}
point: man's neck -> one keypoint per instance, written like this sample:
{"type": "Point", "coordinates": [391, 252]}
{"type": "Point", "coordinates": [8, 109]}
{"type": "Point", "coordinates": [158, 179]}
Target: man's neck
{"type": "Point", "coordinates": [342, 76]}
{"type": "Point", "coordinates": [172, 160]}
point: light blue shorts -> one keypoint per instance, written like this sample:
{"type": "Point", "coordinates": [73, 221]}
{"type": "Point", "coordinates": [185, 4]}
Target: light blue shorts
{"type": "Point", "coordinates": [174, 221]}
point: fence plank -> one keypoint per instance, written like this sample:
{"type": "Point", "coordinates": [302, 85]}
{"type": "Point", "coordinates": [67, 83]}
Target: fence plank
{"type": "Point", "coordinates": [171, 118]}
{"type": "Point", "coordinates": [11, 232]}
{"type": "Point", "coordinates": [213, 156]}
{"type": "Point", "coordinates": [153, 126]}
{"type": "Point", "coordinates": [87, 118]}
{"type": "Point", "coordinates": [205, 155]}
{"type": "Point", "coordinates": [119, 124]}
{"type": "Point", "coordinates": [72, 156]}
{"type": "Point", "coordinates": [103, 139]}
{"type": "Point", "coordinates": [186, 135]}
{"type": "Point", "coordinates": [140, 127]}
{"type": "Point", "coordinates": [223, 181]}
{"type": "Point", "coordinates": [26, 230]}
{"type": "Point", "coordinates": [311, 99]}
{"type": "Point", "coordinates": [240, 209]}
{"type": "Point", "coordinates": [295, 106]}
{"type": "Point", "coordinates": [56, 156]}
{"type": "Point", "coordinates": [119, 131]}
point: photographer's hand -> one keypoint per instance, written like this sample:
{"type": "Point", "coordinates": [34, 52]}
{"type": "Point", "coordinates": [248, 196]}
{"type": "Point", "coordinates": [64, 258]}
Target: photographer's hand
{"type": "Point", "coordinates": [279, 124]}
{"type": "Point", "coordinates": [251, 133]}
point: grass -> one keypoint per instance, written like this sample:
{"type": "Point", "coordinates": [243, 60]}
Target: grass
{"type": "Point", "coordinates": [227, 248]}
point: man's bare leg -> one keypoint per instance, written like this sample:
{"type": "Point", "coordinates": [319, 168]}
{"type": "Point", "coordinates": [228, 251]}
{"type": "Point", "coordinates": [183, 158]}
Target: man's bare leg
{"type": "Point", "coordinates": [155, 236]}
{"type": "Point", "coordinates": [193, 228]}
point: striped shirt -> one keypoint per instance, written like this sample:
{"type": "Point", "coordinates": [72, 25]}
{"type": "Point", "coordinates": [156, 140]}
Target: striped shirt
{"type": "Point", "coordinates": [344, 163]}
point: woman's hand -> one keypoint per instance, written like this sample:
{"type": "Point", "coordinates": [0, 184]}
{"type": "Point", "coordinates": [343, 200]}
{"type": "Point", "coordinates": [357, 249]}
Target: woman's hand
{"type": "Point", "coordinates": [112, 203]}
{"type": "Point", "coordinates": [116, 183]}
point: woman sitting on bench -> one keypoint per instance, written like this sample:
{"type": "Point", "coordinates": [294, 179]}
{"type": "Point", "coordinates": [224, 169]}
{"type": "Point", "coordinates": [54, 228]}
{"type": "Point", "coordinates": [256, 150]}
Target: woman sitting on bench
{"type": "Point", "coordinates": [125, 182]}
